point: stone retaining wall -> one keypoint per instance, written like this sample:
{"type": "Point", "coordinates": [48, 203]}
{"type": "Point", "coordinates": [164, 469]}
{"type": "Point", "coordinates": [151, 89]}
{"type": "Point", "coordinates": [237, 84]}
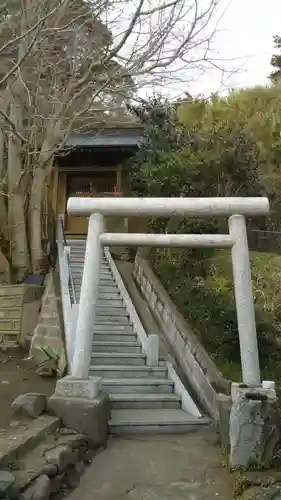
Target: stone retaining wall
{"type": "Point", "coordinates": [19, 309]}
{"type": "Point", "coordinates": [204, 378]}
{"type": "Point", "coordinates": [53, 466]}
{"type": "Point", "coordinates": [49, 328]}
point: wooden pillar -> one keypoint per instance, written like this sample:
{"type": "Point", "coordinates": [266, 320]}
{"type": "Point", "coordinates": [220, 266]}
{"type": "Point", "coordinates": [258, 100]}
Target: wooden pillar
{"type": "Point", "coordinates": [119, 187]}
{"type": "Point", "coordinates": [55, 190]}
{"type": "Point", "coordinates": [61, 195]}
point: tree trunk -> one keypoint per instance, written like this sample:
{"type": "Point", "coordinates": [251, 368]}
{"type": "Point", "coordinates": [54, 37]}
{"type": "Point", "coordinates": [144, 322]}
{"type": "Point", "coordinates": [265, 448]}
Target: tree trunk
{"type": "Point", "coordinates": [3, 206]}
{"type": "Point", "coordinates": [41, 172]}
{"type": "Point", "coordinates": [16, 213]}
{"type": "Point", "coordinates": [3, 167]}
{"type": "Point", "coordinates": [16, 173]}
{"type": "Point", "coordinates": [5, 269]}
{"type": "Point", "coordinates": [35, 221]}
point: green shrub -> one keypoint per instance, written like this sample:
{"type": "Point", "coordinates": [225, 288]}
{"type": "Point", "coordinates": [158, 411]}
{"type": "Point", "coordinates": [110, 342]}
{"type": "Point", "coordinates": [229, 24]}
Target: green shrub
{"type": "Point", "coordinates": [204, 295]}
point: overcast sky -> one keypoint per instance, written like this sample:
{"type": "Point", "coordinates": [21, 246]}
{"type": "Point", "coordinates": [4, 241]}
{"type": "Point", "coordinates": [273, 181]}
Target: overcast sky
{"type": "Point", "coordinates": [246, 33]}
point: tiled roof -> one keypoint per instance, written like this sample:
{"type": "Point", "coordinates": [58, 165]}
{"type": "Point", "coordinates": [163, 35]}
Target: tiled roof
{"type": "Point", "coordinates": [107, 138]}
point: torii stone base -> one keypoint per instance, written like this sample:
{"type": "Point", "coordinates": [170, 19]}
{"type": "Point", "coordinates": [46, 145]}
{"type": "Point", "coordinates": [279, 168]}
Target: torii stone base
{"type": "Point", "coordinates": [83, 407]}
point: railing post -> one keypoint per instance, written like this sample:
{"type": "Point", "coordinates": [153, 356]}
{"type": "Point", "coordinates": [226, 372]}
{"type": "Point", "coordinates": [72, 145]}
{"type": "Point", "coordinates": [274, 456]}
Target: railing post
{"type": "Point", "coordinates": [72, 335]}
{"type": "Point", "coordinates": [66, 252]}
{"type": "Point", "coordinates": [88, 299]}
{"type": "Point", "coordinates": [152, 350]}
{"type": "Point", "coordinates": [244, 302]}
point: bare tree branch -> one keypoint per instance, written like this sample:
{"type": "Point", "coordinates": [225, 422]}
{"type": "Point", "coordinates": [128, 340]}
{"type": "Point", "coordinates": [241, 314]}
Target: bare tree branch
{"type": "Point", "coordinates": [72, 64]}
{"type": "Point", "coordinates": [15, 40]}
{"type": "Point", "coordinates": [23, 36]}
{"type": "Point", "coordinates": [11, 123]}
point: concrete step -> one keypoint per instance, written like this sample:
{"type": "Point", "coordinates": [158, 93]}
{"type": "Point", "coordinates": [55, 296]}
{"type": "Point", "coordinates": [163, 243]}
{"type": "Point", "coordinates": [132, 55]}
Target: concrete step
{"type": "Point", "coordinates": [111, 327]}
{"type": "Point", "coordinates": [81, 251]}
{"type": "Point", "coordinates": [108, 284]}
{"type": "Point", "coordinates": [117, 358]}
{"type": "Point", "coordinates": [113, 371]}
{"type": "Point", "coordinates": [106, 274]}
{"type": "Point", "coordinates": [109, 296]}
{"type": "Point", "coordinates": [123, 347]}
{"type": "Point", "coordinates": [78, 250]}
{"type": "Point", "coordinates": [144, 401]}
{"type": "Point", "coordinates": [138, 386]}
{"type": "Point", "coordinates": [77, 268]}
{"type": "Point", "coordinates": [105, 279]}
{"type": "Point", "coordinates": [109, 319]}
{"type": "Point", "coordinates": [79, 257]}
{"type": "Point", "coordinates": [78, 264]}
{"type": "Point", "coordinates": [76, 283]}
{"type": "Point", "coordinates": [102, 284]}
{"type": "Point", "coordinates": [115, 337]}
{"type": "Point", "coordinates": [106, 310]}
{"type": "Point", "coordinates": [112, 303]}
{"type": "Point", "coordinates": [154, 422]}
{"type": "Point", "coordinates": [108, 291]}
{"type": "Point", "coordinates": [108, 288]}
{"type": "Point", "coordinates": [115, 304]}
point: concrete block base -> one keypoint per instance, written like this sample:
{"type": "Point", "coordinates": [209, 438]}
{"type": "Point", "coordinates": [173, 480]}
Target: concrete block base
{"type": "Point", "coordinates": [82, 406]}
{"type": "Point", "coordinates": [86, 416]}
{"type": "Point", "coordinates": [254, 427]}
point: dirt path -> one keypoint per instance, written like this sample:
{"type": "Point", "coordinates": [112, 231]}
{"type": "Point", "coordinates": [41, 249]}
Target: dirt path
{"type": "Point", "coordinates": [17, 376]}
{"type": "Point", "coordinates": [182, 467]}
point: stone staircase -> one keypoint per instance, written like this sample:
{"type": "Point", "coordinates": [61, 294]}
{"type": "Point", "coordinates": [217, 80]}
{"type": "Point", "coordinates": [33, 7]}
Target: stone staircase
{"type": "Point", "coordinates": [143, 398]}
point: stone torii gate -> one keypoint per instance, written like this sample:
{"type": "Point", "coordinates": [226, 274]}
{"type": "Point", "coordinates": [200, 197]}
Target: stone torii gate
{"type": "Point", "coordinates": [252, 414]}
{"type": "Point", "coordinates": [234, 208]}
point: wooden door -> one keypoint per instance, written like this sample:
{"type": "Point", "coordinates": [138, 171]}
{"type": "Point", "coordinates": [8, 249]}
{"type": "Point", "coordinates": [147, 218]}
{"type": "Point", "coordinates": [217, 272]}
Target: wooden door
{"type": "Point", "coordinates": [100, 183]}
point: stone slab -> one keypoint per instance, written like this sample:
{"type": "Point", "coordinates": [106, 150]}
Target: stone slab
{"type": "Point", "coordinates": [15, 443]}
{"type": "Point", "coordinates": [51, 457]}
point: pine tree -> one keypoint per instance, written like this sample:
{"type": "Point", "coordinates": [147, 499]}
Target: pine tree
{"type": "Point", "coordinates": [275, 76]}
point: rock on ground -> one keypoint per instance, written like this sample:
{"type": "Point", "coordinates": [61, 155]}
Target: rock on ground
{"type": "Point", "coordinates": [29, 405]}
{"type": "Point", "coordinates": [6, 481]}
{"type": "Point", "coordinates": [61, 456]}
{"type": "Point", "coordinates": [40, 489]}
{"type": "Point", "coordinates": [268, 493]}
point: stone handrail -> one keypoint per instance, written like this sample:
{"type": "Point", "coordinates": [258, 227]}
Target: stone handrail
{"type": "Point", "coordinates": [62, 244]}
{"type": "Point", "coordinates": [204, 378]}
{"type": "Point", "coordinates": [69, 305]}
{"type": "Point", "coordinates": [149, 342]}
